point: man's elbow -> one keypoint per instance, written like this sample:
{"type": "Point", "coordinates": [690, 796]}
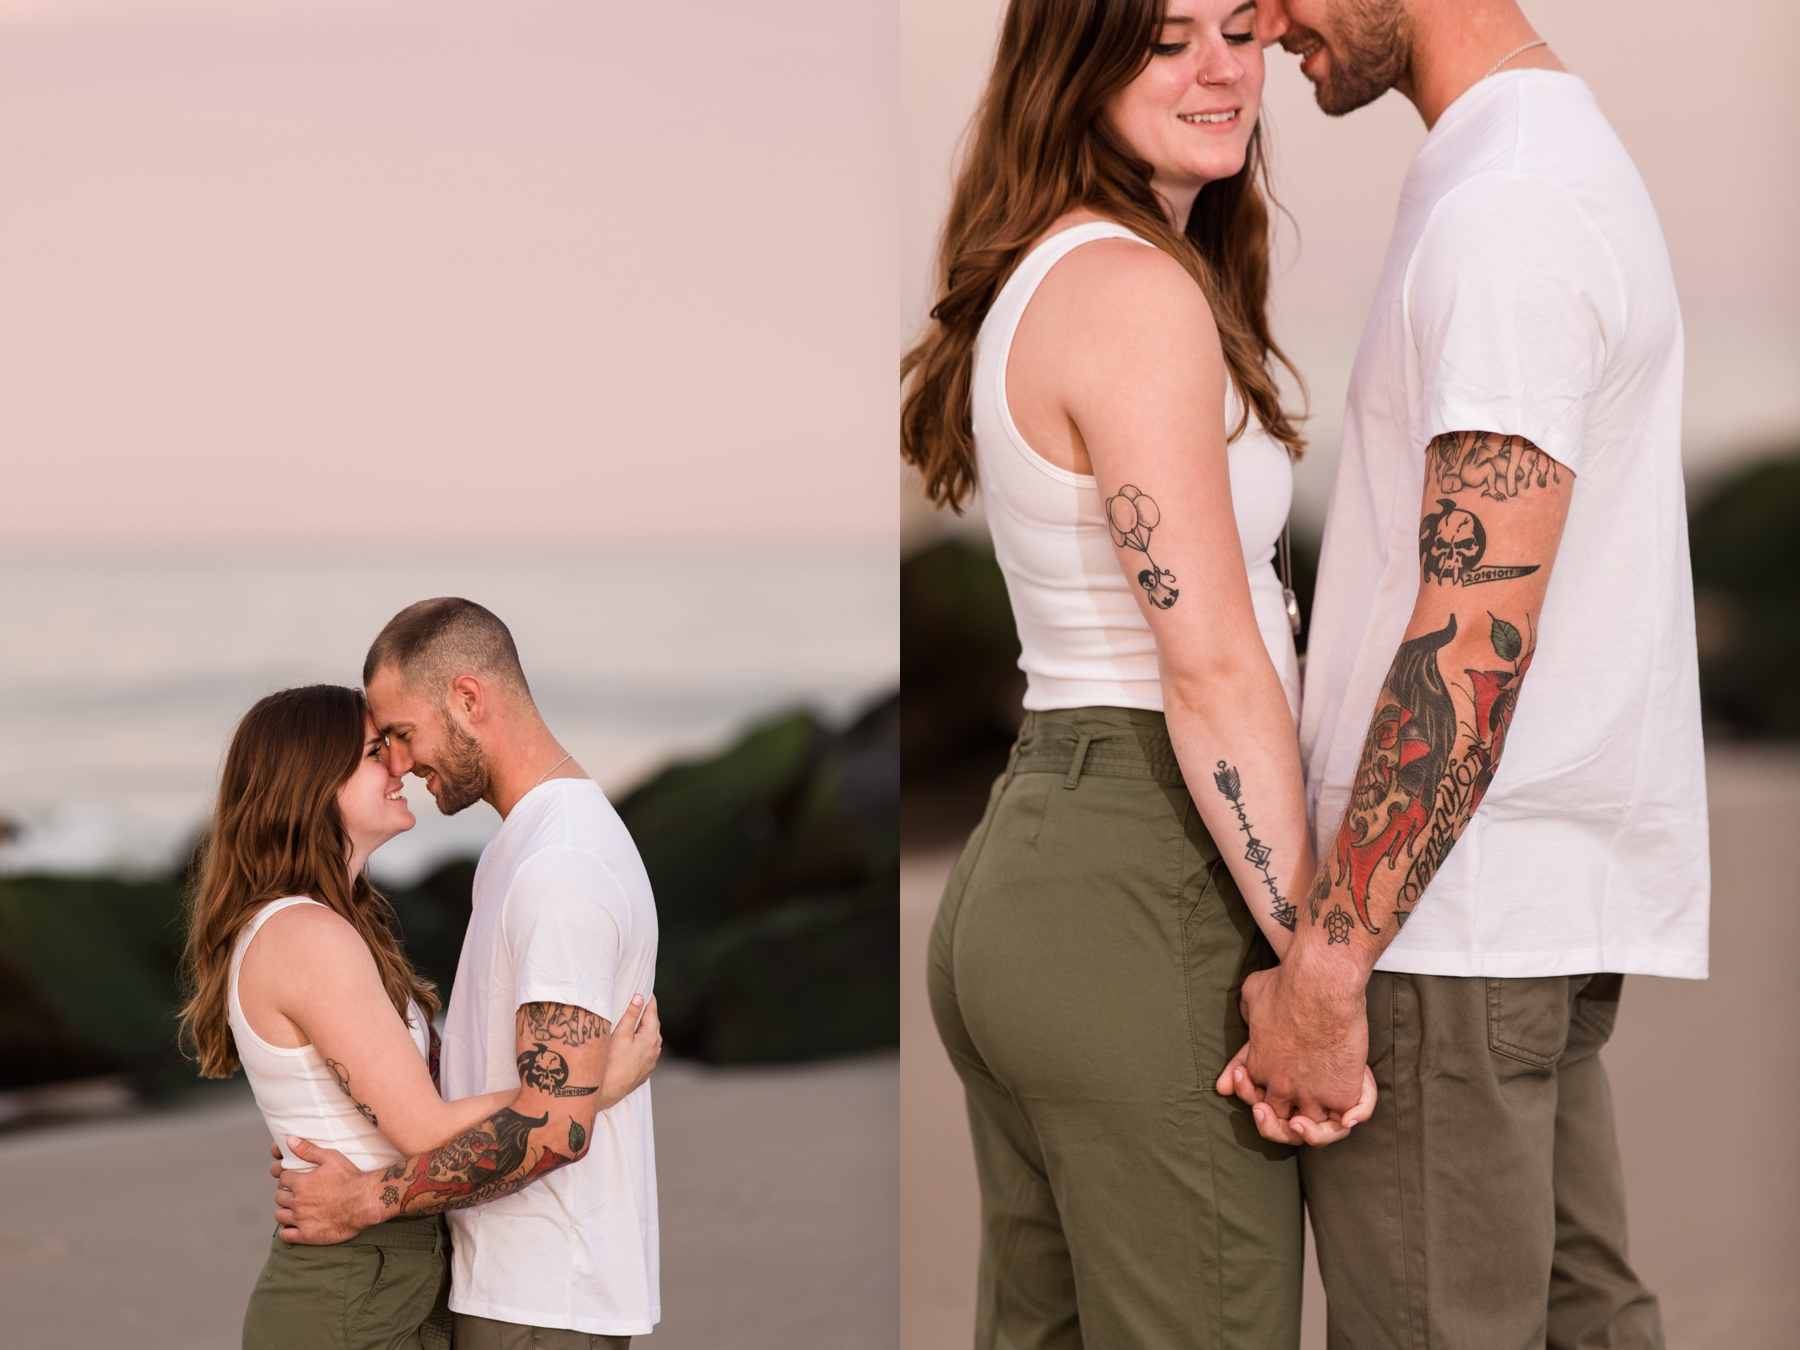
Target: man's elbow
{"type": "Point", "coordinates": [579, 1137]}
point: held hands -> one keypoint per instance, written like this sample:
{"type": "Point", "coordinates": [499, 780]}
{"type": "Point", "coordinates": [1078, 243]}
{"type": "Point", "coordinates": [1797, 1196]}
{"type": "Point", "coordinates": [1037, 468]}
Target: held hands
{"type": "Point", "coordinates": [1304, 1069]}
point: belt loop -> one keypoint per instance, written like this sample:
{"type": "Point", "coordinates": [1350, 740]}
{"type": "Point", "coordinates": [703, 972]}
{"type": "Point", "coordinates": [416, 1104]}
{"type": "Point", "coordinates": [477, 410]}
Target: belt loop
{"type": "Point", "coordinates": [1081, 749]}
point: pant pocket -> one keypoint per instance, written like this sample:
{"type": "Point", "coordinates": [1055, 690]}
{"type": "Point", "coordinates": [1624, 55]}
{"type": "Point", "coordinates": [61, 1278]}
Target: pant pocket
{"type": "Point", "coordinates": [399, 1287]}
{"type": "Point", "coordinates": [1528, 1020]}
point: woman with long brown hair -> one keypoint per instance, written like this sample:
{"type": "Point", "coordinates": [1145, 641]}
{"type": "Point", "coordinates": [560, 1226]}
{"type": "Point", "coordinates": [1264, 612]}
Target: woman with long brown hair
{"type": "Point", "coordinates": [294, 974]}
{"type": "Point", "coordinates": [1099, 362]}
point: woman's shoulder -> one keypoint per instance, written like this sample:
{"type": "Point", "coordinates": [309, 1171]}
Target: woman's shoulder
{"type": "Point", "coordinates": [309, 923]}
{"type": "Point", "coordinates": [1124, 279]}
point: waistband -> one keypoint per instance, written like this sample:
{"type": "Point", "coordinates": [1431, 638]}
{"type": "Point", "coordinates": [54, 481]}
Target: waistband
{"type": "Point", "coordinates": [425, 1233]}
{"type": "Point", "coordinates": [1104, 742]}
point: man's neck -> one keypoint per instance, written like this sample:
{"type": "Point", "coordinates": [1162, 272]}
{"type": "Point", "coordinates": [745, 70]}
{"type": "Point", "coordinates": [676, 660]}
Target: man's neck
{"type": "Point", "coordinates": [520, 762]}
{"type": "Point", "coordinates": [1455, 46]}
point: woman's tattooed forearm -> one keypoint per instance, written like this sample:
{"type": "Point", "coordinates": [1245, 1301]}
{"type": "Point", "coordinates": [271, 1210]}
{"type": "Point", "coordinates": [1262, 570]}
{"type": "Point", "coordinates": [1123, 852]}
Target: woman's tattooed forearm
{"type": "Point", "coordinates": [495, 1158]}
{"type": "Point", "coordinates": [1256, 852]}
{"type": "Point", "coordinates": [560, 1022]}
{"type": "Point", "coordinates": [1500, 467]}
{"type": "Point", "coordinates": [1132, 516]}
{"type": "Point", "coordinates": [342, 1077]}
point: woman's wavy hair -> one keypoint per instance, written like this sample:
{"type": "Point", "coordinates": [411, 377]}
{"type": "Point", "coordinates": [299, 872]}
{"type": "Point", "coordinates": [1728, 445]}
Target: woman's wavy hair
{"type": "Point", "coordinates": [1040, 146]}
{"type": "Point", "coordinates": [276, 831]}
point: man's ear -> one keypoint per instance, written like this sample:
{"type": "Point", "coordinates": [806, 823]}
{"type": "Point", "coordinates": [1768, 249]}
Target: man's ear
{"type": "Point", "coordinates": [469, 697]}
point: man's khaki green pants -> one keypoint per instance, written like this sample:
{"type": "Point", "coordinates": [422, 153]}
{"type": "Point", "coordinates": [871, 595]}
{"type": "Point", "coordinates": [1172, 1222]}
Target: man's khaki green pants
{"type": "Point", "coordinates": [1482, 1205]}
{"type": "Point", "coordinates": [1084, 973]}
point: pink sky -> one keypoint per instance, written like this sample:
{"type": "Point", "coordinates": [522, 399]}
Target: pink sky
{"type": "Point", "coordinates": [396, 273]}
{"type": "Point", "coordinates": [1704, 99]}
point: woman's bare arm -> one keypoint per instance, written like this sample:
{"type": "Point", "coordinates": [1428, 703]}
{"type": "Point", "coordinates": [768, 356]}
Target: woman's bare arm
{"type": "Point", "coordinates": [308, 978]}
{"type": "Point", "coordinates": [1117, 365]}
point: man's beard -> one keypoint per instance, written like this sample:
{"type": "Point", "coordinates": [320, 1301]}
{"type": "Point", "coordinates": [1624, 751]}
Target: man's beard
{"type": "Point", "coordinates": [1369, 52]}
{"type": "Point", "coordinates": [461, 769]}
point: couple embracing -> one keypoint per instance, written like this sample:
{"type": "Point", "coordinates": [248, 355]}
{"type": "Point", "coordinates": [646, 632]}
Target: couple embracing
{"type": "Point", "coordinates": [504, 1191]}
{"type": "Point", "coordinates": [1220, 948]}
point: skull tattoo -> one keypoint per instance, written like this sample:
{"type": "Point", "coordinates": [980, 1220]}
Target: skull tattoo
{"type": "Point", "coordinates": [1451, 543]}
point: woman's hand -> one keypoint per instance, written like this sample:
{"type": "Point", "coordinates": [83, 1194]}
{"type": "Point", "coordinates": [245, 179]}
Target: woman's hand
{"type": "Point", "coordinates": [1235, 1081]}
{"type": "Point", "coordinates": [634, 1045]}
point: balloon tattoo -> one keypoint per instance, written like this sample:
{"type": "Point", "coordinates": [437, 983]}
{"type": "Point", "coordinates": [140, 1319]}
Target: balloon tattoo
{"type": "Point", "coordinates": [1133, 516]}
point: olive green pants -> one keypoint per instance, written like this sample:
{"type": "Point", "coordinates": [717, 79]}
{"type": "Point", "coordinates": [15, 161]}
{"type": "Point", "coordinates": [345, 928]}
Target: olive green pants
{"type": "Point", "coordinates": [387, 1288]}
{"type": "Point", "coordinates": [1084, 975]}
{"type": "Point", "coordinates": [1482, 1206]}
{"type": "Point", "coordinates": [484, 1333]}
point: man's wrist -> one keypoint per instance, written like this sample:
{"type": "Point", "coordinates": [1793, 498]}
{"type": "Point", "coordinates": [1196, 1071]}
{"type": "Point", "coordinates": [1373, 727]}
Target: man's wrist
{"type": "Point", "coordinates": [371, 1208]}
{"type": "Point", "coordinates": [1330, 979]}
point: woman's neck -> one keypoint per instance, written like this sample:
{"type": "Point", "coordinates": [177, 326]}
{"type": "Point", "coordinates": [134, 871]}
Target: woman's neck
{"type": "Point", "coordinates": [1177, 203]}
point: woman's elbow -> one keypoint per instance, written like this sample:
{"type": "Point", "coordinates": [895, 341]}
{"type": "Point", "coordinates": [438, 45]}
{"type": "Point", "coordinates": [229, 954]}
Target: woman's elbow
{"type": "Point", "coordinates": [1211, 680]}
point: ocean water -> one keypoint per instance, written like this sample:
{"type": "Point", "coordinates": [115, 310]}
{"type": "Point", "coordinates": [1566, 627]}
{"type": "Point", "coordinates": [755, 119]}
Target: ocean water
{"type": "Point", "coordinates": [121, 678]}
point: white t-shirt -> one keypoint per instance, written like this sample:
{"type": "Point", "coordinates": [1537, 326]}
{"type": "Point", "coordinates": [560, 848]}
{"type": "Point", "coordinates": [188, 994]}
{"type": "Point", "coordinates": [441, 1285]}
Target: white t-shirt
{"type": "Point", "coordinates": [562, 914]}
{"type": "Point", "coordinates": [1527, 291]}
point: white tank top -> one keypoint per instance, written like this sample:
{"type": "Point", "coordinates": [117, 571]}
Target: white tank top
{"type": "Point", "coordinates": [294, 1090]}
{"type": "Point", "coordinates": [1084, 642]}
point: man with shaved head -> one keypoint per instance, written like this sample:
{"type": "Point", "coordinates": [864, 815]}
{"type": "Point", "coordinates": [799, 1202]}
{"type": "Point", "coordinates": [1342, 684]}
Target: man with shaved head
{"type": "Point", "coordinates": [553, 1216]}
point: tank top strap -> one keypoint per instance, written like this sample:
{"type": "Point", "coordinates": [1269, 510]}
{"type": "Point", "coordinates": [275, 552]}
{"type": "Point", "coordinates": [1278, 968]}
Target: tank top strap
{"type": "Point", "coordinates": [1016, 294]}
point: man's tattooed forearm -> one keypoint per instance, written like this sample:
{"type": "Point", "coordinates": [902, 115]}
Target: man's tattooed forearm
{"type": "Point", "coordinates": [1132, 517]}
{"type": "Point", "coordinates": [1255, 851]}
{"type": "Point", "coordinates": [1500, 467]}
{"type": "Point", "coordinates": [560, 1022]}
{"type": "Point", "coordinates": [1424, 771]}
{"type": "Point", "coordinates": [494, 1158]}
{"type": "Point", "coordinates": [1320, 892]}
{"type": "Point", "coordinates": [1451, 544]}
{"type": "Point", "coordinates": [342, 1077]}
{"type": "Point", "coordinates": [547, 1071]}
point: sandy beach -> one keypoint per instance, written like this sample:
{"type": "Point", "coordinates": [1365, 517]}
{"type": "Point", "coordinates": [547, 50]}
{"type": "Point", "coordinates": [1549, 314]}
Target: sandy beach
{"type": "Point", "coordinates": [1715, 1198]}
{"type": "Point", "coordinates": [778, 1191]}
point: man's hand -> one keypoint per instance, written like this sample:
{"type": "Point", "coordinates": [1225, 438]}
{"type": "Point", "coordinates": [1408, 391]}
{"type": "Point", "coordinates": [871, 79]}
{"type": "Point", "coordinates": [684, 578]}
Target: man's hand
{"type": "Point", "coordinates": [332, 1203]}
{"type": "Point", "coordinates": [1309, 1041]}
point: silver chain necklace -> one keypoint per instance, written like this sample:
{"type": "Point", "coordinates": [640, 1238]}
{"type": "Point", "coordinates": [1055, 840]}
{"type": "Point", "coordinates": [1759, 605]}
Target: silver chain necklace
{"type": "Point", "coordinates": [1539, 42]}
{"type": "Point", "coordinates": [554, 767]}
